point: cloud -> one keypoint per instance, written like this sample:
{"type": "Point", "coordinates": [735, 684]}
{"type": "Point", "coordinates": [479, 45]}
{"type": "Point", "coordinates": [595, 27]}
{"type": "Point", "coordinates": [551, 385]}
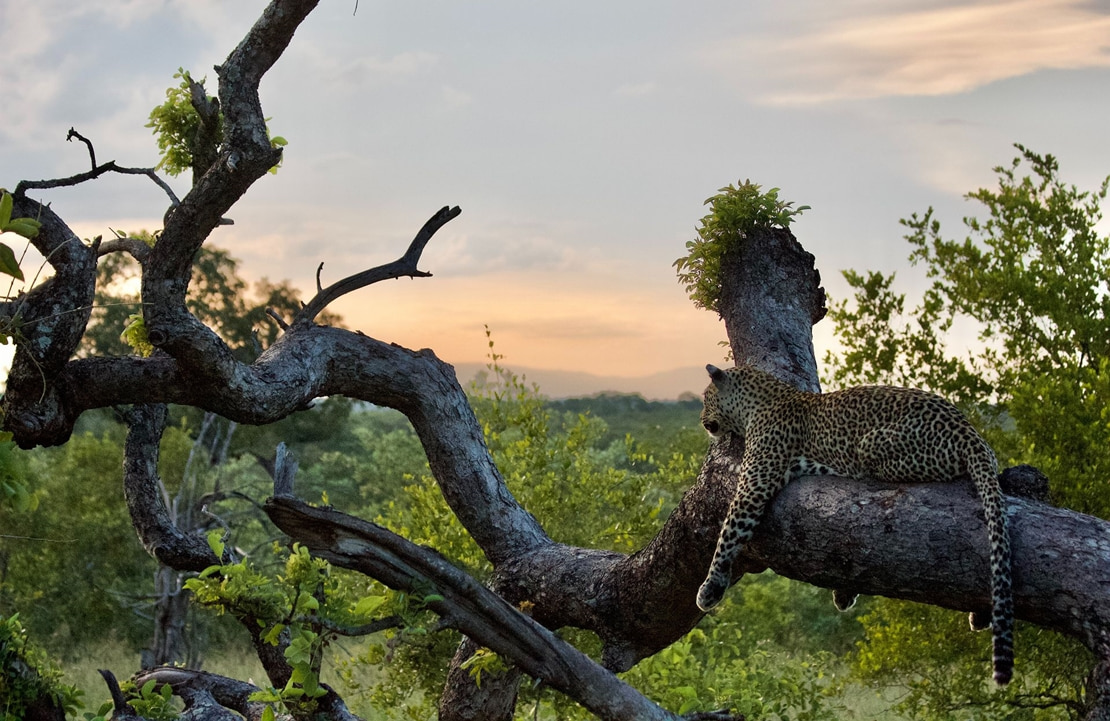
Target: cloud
{"type": "Point", "coordinates": [872, 51]}
{"type": "Point", "coordinates": [370, 69]}
{"type": "Point", "coordinates": [637, 89]}
{"type": "Point", "coordinates": [468, 255]}
{"type": "Point", "coordinates": [453, 98]}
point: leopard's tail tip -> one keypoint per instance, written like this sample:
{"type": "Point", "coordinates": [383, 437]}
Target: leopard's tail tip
{"type": "Point", "coordinates": [1003, 670]}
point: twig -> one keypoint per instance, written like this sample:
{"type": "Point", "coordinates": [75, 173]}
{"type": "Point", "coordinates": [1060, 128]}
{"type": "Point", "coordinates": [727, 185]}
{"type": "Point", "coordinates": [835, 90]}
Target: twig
{"type": "Point", "coordinates": [96, 172]}
{"type": "Point", "coordinates": [92, 153]}
{"type": "Point", "coordinates": [365, 629]}
{"type": "Point", "coordinates": [403, 266]}
{"type": "Point", "coordinates": [277, 318]}
{"type": "Point", "coordinates": [123, 710]}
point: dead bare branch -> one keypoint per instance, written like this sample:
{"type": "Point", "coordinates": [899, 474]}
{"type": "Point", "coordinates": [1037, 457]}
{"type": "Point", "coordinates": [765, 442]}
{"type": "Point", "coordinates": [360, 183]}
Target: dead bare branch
{"type": "Point", "coordinates": [122, 709]}
{"type": "Point", "coordinates": [95, 172]}
{"type": "Point", "coordinates": [405, 266]}
{"type": "Point", "coordinates": [88, 144]}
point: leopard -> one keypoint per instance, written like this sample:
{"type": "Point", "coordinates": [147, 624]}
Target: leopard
{"type": "Point", "coordinates": [885, 433]}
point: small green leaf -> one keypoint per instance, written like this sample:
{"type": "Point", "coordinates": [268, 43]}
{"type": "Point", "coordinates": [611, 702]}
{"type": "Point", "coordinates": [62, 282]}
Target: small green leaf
{"type": "Point", "coordinates": [274, 634]}
{"type": "Point", "coordinates": [8, 263]}
{"type": "Point", "coordinates": [368, 605]}
{"type": "Point", "coordinates": [5, 208]}
{"type": "Point", "coordinates": [215, 542]}
{"type": "Point", "coordinates": [27, 227]}
{"type": "Point", "coordinates": [311, 685]}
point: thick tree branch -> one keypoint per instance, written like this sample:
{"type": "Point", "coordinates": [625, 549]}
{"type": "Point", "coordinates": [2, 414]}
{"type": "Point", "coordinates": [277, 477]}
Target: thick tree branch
{"type": "Point", "coordinates": [246, 157]}
{"type": "Point", "coordinates": [161, 538]}
{"type": "Point", "coordinates": [770, 298]}
{"type": "Point", "coordinates": [49, 320]}
{"type": "Point", "coordinates": [402, 267]}
{"type": "Point", "coordinates": [465, 604]}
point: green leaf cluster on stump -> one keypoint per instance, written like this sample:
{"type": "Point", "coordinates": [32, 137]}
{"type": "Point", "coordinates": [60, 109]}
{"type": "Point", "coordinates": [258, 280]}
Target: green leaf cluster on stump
{"type": "Point", "coordinates": [735, 211]}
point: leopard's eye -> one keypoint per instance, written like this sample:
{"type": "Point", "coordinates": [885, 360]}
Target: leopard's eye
{"type": "Point", "coordinates": [713, 427]}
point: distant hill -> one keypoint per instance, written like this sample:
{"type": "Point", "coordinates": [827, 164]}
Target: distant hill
{"type": "Point", "coordinates": [664, 386]}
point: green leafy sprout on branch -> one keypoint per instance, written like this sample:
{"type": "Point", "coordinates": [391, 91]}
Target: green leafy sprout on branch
{"type": "Point", "coordinates": [178, 127]}
{"type": "Point", "coordinates": [735, 211]}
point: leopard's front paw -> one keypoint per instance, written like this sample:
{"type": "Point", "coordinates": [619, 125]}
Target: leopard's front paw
{"type": "Point", "coordinates": [711, 593]}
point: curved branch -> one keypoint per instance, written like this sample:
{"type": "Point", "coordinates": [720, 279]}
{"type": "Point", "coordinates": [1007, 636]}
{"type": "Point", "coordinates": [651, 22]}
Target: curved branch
{"type": "Point", "coordinates": [88, 144]}
{"type": "Point", "coordinates": [50, 319]}
{"type": "Point", "coordinates": [121, 709]}
{"type": "Point", "coordinates": [405, 266]}
{"type": "Point", "coordinates": [134, 247]}
{"type": "Point", "coordinates": [159, 535]}
{"type": "Point", "coordinates": [464, 604]}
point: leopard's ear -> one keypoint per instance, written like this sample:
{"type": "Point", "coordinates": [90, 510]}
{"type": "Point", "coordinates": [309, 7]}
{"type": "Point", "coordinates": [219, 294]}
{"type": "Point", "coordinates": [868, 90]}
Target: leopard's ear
{"type": "Point", "coordinates": [715, 374]}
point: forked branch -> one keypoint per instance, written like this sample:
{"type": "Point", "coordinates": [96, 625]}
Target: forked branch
{"type": "Point", "coordinates": [405, 266]}
{"type": "Point", "coordinates": [95, 172]}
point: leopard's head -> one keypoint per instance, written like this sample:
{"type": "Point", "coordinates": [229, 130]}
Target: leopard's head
{"type": "Point", "coordinates": [717, 403]}
{"type": "Point", "coordinates": [734, 395]}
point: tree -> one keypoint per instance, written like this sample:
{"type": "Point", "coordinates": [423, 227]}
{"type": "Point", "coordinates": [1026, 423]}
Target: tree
{"type": "Point", "coordinates": [637, 604]}
{"type": "Point", "coordinates": [1032, 278]}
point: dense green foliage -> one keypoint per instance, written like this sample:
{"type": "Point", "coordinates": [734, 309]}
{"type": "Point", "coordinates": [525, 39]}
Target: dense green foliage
{"type": "Point", "coordinates": [28, 676]}
{"type": "Point", "coordinates": [735, 211]}
{"type": "Point", "coordinates": [1032, 279]}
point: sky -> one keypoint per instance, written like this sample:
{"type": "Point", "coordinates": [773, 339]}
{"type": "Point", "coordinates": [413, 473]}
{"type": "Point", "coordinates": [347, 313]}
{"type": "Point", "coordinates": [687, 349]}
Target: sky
{"type": "Point", "coordinates": [579, 138]}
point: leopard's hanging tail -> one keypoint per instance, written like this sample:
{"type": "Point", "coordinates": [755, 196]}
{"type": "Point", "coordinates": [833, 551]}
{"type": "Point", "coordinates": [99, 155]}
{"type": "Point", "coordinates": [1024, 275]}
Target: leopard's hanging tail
{"type": "Point", "coordinates": [983, 469]}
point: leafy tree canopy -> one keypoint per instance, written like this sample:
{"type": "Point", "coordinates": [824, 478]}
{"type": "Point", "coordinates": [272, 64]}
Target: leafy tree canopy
{"type": "Point", "coordinates": [1032, 277]}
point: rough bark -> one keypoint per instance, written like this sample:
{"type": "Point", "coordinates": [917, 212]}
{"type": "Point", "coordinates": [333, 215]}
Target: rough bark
{"type": "Point", "coordinates": [770, 299]}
